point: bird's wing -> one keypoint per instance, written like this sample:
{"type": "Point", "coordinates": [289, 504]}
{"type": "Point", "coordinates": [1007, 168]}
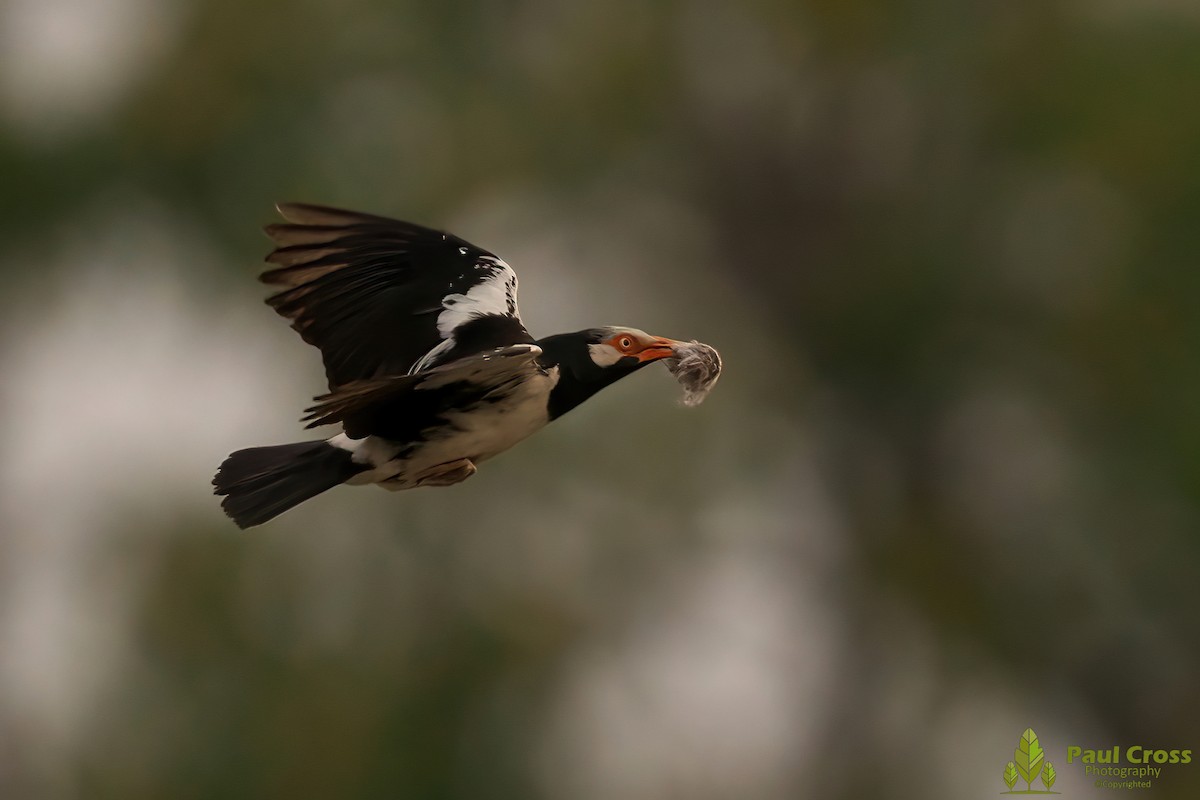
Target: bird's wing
{"type": "Point", "coordinates": [400, 406]}
{"type": "Point", "coordinates": [378, 296]}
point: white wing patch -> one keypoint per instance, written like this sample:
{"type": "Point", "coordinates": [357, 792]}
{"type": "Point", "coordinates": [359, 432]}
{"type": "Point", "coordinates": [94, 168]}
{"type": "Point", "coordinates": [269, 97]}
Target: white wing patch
{"type": "Point", "coordinates": [495, 293]}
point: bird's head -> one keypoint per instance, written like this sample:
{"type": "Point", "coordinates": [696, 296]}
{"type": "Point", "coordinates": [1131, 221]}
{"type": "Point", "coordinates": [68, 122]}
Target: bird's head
{"type": "Point", "coordinates": [626, 349]}
{"type": "Point", "coordinates": [597, 357]}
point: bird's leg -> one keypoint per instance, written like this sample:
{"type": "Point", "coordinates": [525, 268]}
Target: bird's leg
{"type": "Point", "coordinates": [447, 474]}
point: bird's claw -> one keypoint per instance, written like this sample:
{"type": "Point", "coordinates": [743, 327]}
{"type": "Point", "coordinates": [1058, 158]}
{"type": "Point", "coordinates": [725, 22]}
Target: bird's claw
{"type": "Point", "coordinates": [448, 474]}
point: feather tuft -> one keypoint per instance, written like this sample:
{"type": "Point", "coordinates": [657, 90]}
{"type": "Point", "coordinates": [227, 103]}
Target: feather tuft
{"type": "Point", "coordinates": [696, 366]}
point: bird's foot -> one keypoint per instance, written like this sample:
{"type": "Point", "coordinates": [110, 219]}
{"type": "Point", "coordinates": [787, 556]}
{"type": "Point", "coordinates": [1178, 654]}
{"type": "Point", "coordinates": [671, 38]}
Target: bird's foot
{"type": "Point", "coordinates": [448, 474]}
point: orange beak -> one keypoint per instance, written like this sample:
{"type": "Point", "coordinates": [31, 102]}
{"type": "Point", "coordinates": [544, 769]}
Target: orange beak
{"type": "Point", "coordinates": [662, 348]}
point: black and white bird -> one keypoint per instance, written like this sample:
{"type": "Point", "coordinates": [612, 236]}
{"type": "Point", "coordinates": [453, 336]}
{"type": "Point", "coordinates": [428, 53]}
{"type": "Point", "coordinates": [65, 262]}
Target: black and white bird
{"type": "Point", "coordinates": [430, 370]}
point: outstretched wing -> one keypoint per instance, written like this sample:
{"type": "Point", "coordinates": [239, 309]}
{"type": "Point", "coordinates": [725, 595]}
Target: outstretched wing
{"type": "Point", "coordinates": [399, 407]}
{"type": "Point", "coordinates": [382, 297]}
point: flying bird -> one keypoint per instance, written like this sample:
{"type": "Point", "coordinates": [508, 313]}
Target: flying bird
{"type": "Point", "coordinates": [431, 371]}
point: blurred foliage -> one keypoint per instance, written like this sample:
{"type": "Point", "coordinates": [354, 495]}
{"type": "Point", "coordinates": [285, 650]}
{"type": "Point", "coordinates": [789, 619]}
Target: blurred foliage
{"type": "Point", "coordinates": [948, 251]}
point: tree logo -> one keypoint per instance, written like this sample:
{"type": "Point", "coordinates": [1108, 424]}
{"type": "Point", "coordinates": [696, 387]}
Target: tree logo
{"type": "Point", "coordinates": [1030, 765]}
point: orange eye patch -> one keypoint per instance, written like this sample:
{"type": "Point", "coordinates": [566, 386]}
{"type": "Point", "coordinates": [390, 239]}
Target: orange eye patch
{"type": "Point", "coordinates": [625, 343]}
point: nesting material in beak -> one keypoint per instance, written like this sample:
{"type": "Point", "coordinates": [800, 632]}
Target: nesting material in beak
{"type": "Point", "coordinates": [696, 366]}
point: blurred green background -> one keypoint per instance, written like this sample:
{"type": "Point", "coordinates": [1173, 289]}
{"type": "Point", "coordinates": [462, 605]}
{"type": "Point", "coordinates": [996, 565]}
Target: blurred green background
{"type": "Point", "coordinates": [948, 488]}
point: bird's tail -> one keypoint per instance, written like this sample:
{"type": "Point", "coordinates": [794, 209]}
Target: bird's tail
{"type": "Point", "coordinates": [260, 483]}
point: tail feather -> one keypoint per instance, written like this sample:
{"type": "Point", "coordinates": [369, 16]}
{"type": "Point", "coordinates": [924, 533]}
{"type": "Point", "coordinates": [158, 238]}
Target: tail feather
{"type": "Point", "coordinates": [260, 483]}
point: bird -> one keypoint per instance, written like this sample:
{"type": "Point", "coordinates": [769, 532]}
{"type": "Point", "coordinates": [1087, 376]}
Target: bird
{"type": "Point", "coordinates": [430, 369]}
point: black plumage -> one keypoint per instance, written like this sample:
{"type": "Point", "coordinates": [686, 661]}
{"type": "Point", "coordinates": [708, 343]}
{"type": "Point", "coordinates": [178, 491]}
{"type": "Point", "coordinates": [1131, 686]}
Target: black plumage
{"type": "Point", "coordinates": [367, 290]}
{"type": "Point", "coordinates": [260, 483]}
{"type": "Point", "coordinates": [399, 407]}
{"type": "Point", "coordinates": [580, 377]}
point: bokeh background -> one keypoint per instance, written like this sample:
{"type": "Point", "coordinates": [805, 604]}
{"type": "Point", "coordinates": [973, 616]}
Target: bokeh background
{"type": "Point", "coordinates": [948, 488]}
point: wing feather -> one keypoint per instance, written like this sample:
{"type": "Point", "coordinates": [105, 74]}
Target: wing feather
{"type": "Point", "coordinates": [361, 406]}
{"type": "Point", "coordinates": [377, 296]}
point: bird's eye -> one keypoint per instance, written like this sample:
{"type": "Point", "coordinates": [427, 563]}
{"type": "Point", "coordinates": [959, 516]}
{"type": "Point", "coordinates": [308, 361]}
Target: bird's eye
{"type": "Point", "coordinates": [625, 343]}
